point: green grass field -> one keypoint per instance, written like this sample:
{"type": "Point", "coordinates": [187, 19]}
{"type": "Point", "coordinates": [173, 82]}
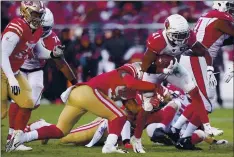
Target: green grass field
{"type": "Point", "coordinates": [220, 119]}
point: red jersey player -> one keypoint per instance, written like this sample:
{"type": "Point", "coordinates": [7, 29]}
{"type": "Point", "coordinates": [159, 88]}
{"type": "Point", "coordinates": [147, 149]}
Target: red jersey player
{"type": "Point", "coordinates": [32, 69]}
{"type": "Point", "coordinates": [18, 39]}
{"type": "Point", "coordinates": [95, 96]}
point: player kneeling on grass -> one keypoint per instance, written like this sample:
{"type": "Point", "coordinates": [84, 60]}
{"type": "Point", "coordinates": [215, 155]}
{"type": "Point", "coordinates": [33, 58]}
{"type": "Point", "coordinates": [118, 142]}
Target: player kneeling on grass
{"type": "Point", "coordinates": [95, 96]}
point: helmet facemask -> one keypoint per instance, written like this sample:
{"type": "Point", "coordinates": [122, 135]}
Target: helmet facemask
{"type": "Point", "coordinates": [178, 38]}
{"type": "Point", "coordinates": [230, 8]}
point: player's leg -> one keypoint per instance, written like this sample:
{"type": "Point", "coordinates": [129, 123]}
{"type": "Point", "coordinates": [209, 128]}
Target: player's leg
{"type": "Point", "coordinates": [35, 80]}
{"type": "Point", "coordinates": [4, 95]}
{"type": "Point", "coordinates": [24, 101]}
{"type": "Point", "coordinates": [102, 106]}
{"type": "Point", "coordinates": [183, 80]}
{"type": "Point", "coordinates": [82, 135]}
{"type": "Point", "coordinates": [163, 118]}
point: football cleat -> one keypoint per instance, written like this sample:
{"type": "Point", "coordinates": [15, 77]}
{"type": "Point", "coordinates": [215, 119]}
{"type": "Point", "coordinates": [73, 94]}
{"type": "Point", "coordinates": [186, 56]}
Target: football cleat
{"type": "Point", "coordinates": [186, 144]}
{"type": "Point", "coordinates": [106, 149]}
{"type": "Point", "coordinates": [174, 136]}
{"type": "Point", "coordinates": [20, 147]}
{"type": "Point", "coordinates": [137, 145]}
{"type": "Point", "coordinates": [159, 136]}
{"type": "Point", "coordinates": [14, 141]}
{"type": "Point", "coordinates": [216, 131]}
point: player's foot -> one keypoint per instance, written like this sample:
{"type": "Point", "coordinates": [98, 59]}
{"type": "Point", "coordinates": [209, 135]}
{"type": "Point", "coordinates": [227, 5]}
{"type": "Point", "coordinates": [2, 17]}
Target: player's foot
{"type": "Point", "coordinates": [20, 147]}
{"type": "Point", "coordinates": [216, 131]}
{"type": "Point", "coordinates": [112, 149]}
{"type": "Point", "coordinates": [208, 130]}
{"type": "Point", "coordinates": [186, 144]}
{"type": "Point", "coordinates": [137, 145]}
{"type": "Point", "coordinates": [14, 141]}
{"type": "Point", "coordinates": [23, 148]}
{"type": "Point", "coordinates": [160, 136]}
{"type": "Point", "coordinates": [174, 135]}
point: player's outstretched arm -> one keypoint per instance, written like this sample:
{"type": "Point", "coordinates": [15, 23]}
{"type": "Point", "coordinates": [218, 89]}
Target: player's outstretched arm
{"type": "Point", "coordinates": [64, 67]}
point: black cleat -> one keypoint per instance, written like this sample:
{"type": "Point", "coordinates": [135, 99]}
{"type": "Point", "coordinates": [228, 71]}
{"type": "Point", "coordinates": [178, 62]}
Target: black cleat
{"type": "Point", "coordinates": [160, 136]}
{"type": "Point", "coordinates": [186, 144]}
{"type": "Point", "coordinates": [174, 136]}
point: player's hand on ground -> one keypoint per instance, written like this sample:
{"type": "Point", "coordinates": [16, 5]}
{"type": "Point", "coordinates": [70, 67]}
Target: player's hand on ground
{"type": "Point", "coordinates": [228, 76]}
{"type": "Point", "coordinates": [58, 51]}
{"type": "Point", "coordinates": [14, 84]}
{"type": "Point", "coordinates": [211, 78]}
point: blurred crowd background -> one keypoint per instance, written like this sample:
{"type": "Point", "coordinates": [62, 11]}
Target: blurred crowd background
{"type": "Point", "coordinates": [100, 36]}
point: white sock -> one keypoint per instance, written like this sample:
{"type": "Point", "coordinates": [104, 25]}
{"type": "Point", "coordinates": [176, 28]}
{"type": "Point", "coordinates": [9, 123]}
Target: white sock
{"type": "Point", "coordinates": [98, 134]}
{"type": "Point", "coordinates": [29, 136]}
{"type": "Point", "coordinates": [10, 132]}
{"type": "Point", "coordinates": [150, 129]}
{"type": "Point", "coordinates": [111, 139]}
{"type": "Point", "coordinates": [179, 123]}
{"type": "Point", "coordinates": [189, 130]}
{"type": "Point", "coordinates": [126, 131]}
{"type": "Point", "coordinates": [38, 124]}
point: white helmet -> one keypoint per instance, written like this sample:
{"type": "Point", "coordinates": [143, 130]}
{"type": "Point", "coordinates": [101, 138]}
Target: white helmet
{"type": "Point", "coordinates": [177, 29]}
{"type": "Point", "coordinates": [224, 6]}
{"type": "Point", "coordinates": [48, 22]}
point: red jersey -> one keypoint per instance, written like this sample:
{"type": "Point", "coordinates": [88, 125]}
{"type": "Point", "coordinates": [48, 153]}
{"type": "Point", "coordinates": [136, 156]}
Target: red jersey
{"type": "Point", "coordinates": [111, 83]}
{"type": "Point", "coordinates": [207, 34]}
{"type": "Point", "coordinates": [27, 42]}
{"type": "Point", "coordinates": [158, 43]}
{"type": "Point", "coordinates": [49, 42]}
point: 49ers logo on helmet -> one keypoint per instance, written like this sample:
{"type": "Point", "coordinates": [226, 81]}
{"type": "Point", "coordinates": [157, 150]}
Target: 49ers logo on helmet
{"type": "Point", "coordinates": [167, 24]}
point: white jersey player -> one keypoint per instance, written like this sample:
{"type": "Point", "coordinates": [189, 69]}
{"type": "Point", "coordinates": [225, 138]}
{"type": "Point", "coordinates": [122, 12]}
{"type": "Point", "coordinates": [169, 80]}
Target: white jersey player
{"type": "Point", "coordinates": [211, 30]}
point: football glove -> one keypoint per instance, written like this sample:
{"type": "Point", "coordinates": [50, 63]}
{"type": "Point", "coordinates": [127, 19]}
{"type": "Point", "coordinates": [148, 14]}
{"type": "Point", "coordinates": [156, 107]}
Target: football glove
{"type": "Point", "coordinates": [210, 77]}
{"type": "Point", "coordinates": [14, 84]}
{"type": "Point", "coordinates": [228, 76]}
{"type": "Point", "coordinates": [57, 51]}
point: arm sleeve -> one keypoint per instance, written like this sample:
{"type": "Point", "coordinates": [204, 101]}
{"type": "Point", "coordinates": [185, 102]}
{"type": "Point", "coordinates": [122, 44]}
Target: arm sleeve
{"type": "Point", "coordinates": [9, 42]}
{"type": "Point", "coordinates": [133, 83]}
{"type": "Point", "coordinates": [42, 52]}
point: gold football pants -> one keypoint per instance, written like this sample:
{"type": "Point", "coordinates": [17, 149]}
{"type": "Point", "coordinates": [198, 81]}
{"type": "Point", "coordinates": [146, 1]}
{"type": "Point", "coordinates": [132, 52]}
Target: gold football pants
{"type": "Point", "coordinates": [84, 99]}
{"type": "Point", "coordinates": [24, 99]}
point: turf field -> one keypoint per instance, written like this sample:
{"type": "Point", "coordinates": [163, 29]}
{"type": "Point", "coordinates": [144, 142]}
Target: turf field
{"type": "Point", "coordinates": [220, 118]}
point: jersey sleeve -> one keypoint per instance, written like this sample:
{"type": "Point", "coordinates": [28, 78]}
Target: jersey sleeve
{"type": "Point", "coordinates": [156, 42]}
{"type": "Point", "coordinates": [51, 41]}
{"type": "Point", "coordinates": [192, 39]}
{"type": "Point", "coordinates": [16, 26]}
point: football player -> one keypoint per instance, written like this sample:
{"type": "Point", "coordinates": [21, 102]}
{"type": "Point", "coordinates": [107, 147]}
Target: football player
{"type": "Point", "coordinates": [211, 31]}
{"type": "Point", "coordinates": [95, 96]}
{"type": "Point", "coordinates": [32, 68]}
{"type": "Point", "coordinates": [18, 39]}
{"type": "Point", "coordinates": [176, 39]}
